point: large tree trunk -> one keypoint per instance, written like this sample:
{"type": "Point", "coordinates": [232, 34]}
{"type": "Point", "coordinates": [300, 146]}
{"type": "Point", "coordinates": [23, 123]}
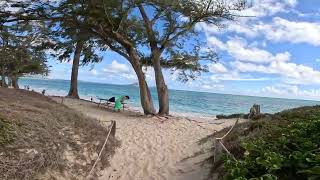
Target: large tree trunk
{"type": "Point", "coordinates": [3, 78]}
{"type": "Point", "coordinates": [3, 81]}
{"type": "Point", "coordinates": [73, 92]}
{"type": "Point", "coordinates": [9, 81]}
{"type": "Point", "coordinates": [14, 80]}
{"type": "Point", "coordinates": [162, 88]}
{"type": "Point", "coordinates": [145, 95]}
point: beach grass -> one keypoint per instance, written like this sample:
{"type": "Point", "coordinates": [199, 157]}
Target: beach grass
{"type": "Point", "coordinates": [40, 138]}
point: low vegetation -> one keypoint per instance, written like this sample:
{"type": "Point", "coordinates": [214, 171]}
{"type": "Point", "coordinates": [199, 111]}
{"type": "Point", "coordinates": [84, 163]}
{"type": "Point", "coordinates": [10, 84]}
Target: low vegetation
{"type": "Point", "coordinates": [243, 116]}
{"type": "Point", "coordinates": [285, 145]}
{"type": "Point", "coordinates": [40, 139]}
{"type": "Point", "coordinates": [231, 116]}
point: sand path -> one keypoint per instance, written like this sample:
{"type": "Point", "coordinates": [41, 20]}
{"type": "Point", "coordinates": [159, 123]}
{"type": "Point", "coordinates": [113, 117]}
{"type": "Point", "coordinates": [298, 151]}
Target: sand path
{"type": "Point", "coordinates": [152, 149]}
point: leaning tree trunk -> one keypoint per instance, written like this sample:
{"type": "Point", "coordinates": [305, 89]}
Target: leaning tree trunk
{"type": "Point", "coordinates": [14, 81]}
{"type": "Point", "coordinates": [73, 92]}
{"type": "Point", "coordinates": [145, 95]}
{"type": "Point", "coordinates": [162, 88]}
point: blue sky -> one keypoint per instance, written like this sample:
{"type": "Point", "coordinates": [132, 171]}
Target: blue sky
{"type": "Point", "coordinates": [274, 52]}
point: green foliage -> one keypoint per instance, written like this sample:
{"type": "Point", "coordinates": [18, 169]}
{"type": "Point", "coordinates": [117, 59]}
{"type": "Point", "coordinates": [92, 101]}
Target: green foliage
{"type": "Point", "coordinates": [286, 150]}
{"type": "Point", "coordinates": [159, 31]}
{"type": "Point", "coordinates": [221, 116]}
{"type": "Point", "coordinates": [22, 49]}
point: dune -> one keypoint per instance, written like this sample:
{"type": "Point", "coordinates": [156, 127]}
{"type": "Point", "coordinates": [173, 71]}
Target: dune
{"type": "Point", "coordinates": [41, 139]}
{"type": "Point", "coordinates": [154, 147]}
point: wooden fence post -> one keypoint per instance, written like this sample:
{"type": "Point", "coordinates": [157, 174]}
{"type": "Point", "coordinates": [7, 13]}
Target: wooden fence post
{"type": "Point", "coordinates": [254, 111]}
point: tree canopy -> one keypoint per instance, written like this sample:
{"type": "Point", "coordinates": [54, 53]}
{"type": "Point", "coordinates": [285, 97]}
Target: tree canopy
{"type": "Point", "coordinates": [156, 33]}
{"type": "Point", "coordinates": [22, 51]}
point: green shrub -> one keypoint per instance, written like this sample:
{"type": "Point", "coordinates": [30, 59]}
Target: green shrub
{"type": "Point", "coordinates": [289, 150]}
{"type": "Point", "coordinates": [231, 116]}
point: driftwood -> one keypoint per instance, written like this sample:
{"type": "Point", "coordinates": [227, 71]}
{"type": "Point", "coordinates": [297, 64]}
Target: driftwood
{"type": "Point", "coordinates": [219, 146]}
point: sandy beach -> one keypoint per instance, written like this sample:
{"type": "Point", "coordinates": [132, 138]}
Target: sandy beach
{"type": "Point", "coordinates": [153, 147]}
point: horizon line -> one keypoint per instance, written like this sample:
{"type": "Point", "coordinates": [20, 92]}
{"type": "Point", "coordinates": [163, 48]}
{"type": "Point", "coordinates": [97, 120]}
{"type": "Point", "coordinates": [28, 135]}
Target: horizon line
{"type": "Point", "coordinates": [272, 97]}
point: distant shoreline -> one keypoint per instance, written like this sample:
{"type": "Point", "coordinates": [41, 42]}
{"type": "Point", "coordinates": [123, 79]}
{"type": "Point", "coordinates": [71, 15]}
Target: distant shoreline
{"type": "Point", "coordinates": [131, 109]}
{"type": "Point", "coordinates": [217, 93]}
{"type": "Point", "coordinates": [182, 103]}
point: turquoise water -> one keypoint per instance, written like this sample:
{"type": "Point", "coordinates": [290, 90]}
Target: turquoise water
{"type": "Point", "coordinates": [183, 102]}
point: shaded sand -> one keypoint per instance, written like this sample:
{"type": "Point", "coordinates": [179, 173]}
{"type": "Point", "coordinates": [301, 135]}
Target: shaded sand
{"type": "Point", "coordinates": [151, 147]}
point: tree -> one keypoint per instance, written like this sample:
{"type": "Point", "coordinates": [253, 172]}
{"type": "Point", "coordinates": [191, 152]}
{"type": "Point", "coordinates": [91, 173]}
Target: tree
{"type": "Point", "coordinates": [159, 33]}
{"type": "Point", "coordinates": [21, 49]}
{"type": "Point", "coordinates": [109, 21]}
{"type": "Point", "coordinates": [21, 59]}
{"type": "Point", "coordinates": [70, 38]}
{"type": "Point", "coordinates": [65, 36]}
{"type": "Point", "coordinates": [171, 28]}
{"type": "Point", "coordinates": [165, 27]}
{"type": "Point", "coordinates": [84, 13]}
{"type": "Point", "coordinates": [4, 35]}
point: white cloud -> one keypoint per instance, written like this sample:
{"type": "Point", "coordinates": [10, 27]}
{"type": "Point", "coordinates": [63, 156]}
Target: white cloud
{"type": "Point", "coordinates": [246, 24]}
{"type": "Point", "coordinates": [261, 8]}
{"type": "Point", "coordinates": [213, 41]}
{"type": "Point", "coordinates": [94, 72]}
{"type": "Point", "coordinates": [240, 50]}
{"type": "Point", "coordinates": [250, 67]}
{"type": "Point", "coordinates": [204, 83]}
{"type": "Point", "coordinates": [120, 71]}
{"type": "Point", "coordinates": [291, 91]}
{"type": "Point", "coordinates": [306, 14]}
{"type": "Point", "coordinates": [282, 30]}
{"type": "Point", "coordinates": [250, 59]}
{"type": "Point", "coordinates": [234, 76]}
{"type": "Point", "coordinates": [290, 72]}
{"type": "Point", "coordinates": [217, 68]}
{"type": "Point", "coordinates": [279, 30]}
{"type": "Point", "coordinates": [117, 68]}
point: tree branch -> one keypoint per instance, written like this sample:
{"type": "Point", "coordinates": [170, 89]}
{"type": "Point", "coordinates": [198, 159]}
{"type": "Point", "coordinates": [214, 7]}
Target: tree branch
{"type": "Point", "coordinates": [110, 44]}
{"type": "Point", "coordinates": [156, 17]}
{"type": "Point", "coordinates": [148, 25]}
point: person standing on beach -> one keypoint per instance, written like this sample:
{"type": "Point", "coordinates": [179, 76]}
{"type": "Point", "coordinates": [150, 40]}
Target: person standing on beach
{"type": "Point", "coordinates": [119, 102]}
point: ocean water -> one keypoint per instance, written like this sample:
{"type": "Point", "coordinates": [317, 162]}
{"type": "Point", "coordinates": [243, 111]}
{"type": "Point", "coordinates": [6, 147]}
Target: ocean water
{"type": "Point", "coordinates": [181, 102]}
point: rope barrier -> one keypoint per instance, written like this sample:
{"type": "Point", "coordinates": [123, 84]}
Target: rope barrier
{"type": "Point", "coordinates": [219, 146]}
{"type": "Point", "coordinates": [104, 144]}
